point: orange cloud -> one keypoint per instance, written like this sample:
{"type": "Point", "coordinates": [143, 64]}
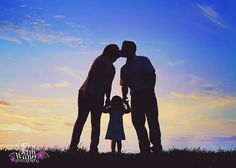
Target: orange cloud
{"type": "Point", "coordinates": [181, 113]}
{"type": "Point", "coordinates": [69, 124]}
{"type": "Point", "coordinates": [3, 103]}
{"type": "Point", "coordinates": [204, 101]}
{"type": "Point", "coordinates": [15, 127]}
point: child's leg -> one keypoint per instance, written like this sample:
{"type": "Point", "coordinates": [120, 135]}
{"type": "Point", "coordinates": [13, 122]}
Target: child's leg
{"type": "Point", "coordinates": [113, 146]}
{"type": "Point", "coordinates": [119, 146]}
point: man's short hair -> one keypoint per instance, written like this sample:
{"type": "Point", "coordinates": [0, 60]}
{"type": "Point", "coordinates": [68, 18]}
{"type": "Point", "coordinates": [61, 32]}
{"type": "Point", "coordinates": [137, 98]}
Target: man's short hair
{"type": "Point", "coordinates": [131, 45]}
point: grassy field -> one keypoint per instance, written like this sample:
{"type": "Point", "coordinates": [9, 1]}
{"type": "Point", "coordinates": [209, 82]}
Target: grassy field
{"type": "Point", "coordinates": [186, 158]}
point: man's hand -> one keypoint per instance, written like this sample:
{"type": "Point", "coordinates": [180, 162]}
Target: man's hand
{"type": "Point", "coordinates": [125, 100]}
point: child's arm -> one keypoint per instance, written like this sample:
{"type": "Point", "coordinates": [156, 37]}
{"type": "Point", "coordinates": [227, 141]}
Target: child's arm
{"type": "Point", "coordinates": [127, 107]}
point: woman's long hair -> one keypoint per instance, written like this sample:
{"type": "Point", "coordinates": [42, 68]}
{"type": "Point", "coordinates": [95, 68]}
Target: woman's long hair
{"type": "Point", "coordinates": [110, 49]}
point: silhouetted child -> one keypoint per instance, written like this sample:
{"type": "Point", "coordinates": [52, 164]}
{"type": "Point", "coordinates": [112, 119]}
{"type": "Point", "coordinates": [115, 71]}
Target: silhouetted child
{"type": "Point", "coordinates": [115, 130]}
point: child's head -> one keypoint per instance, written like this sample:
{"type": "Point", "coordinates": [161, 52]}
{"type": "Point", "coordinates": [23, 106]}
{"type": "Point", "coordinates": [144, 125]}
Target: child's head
{"type": "Point", "coordinates": [116, 102]}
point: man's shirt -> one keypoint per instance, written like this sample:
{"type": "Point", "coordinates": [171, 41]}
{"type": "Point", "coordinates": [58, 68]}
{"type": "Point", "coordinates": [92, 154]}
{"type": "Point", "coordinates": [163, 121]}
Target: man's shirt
{"type": "Point", "coordinates": [134, 73]}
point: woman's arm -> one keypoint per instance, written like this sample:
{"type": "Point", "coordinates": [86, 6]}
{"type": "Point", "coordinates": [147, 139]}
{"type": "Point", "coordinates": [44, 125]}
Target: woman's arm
{"type": "Point", "coordinates": [106, 109]}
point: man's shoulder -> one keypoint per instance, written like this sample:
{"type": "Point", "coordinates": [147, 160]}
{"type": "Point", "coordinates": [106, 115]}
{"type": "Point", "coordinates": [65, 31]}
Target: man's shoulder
{"type": "Point", "coordinates": [142, 58]}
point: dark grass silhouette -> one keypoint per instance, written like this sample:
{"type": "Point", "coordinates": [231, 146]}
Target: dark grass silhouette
{"type": "Point", "coordinates": [185, 158]}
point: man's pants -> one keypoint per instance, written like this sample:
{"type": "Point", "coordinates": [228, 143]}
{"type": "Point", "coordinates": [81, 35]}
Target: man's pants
{"type": "Point", "coordinates": [85, 105]}
{"type": "Point", "coordinates": [141, 107]}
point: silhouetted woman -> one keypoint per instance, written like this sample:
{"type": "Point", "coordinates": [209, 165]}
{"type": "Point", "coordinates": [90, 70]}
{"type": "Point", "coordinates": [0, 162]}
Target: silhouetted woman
{"type": "Point", "coordinates": [91, 96]}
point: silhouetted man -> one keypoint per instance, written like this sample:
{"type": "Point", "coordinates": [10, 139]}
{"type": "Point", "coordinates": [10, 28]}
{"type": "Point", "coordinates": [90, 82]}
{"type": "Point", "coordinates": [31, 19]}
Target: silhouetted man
{"type": "Point", "coordinates": [91, 96]}
{"type": "Point", "coordinates": [139, 76]}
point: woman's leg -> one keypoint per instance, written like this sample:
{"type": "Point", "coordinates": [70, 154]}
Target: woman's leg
{"type": "Point", "coordinates": [113, 146]}
{"type": "Point", "coordinates": [95, 135]}
{"type": "Point", "coordinates": [119, 146]}
{"type": "Point", "coordinates": [96, 113]}
{"type": "Point", "coordinates": [83, 111]}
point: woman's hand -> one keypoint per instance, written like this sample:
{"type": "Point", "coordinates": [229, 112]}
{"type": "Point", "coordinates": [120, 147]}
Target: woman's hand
{"type": "Point", "coordinates": [107, 102]}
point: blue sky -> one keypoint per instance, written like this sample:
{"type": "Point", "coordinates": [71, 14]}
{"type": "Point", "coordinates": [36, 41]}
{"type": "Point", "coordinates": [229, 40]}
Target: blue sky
{"type": "Point", "coordinates": [46, 49]}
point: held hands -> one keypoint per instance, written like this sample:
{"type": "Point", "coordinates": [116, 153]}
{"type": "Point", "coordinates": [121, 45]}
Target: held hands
{"type": "Point", "coordinates": [126, 100]}
{"type": "Point", "coordinates": [107, 103]}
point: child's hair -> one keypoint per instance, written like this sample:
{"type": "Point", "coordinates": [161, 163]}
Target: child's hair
{"type": "Point", "coordinates": [117, 101]}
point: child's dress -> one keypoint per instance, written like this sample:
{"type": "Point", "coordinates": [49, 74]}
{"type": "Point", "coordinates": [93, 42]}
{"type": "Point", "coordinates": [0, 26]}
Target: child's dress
{"type": "Point", "coordinates": [115, 130]}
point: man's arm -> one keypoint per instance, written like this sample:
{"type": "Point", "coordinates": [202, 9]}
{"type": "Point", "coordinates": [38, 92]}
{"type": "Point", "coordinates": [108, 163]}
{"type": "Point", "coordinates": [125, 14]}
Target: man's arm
{"type": "Point", "coordinates": [124, 90]}
{"type": "Point", "coordinates": [108, 95]}
{"type": "Point", "coordinates": [149, 72]}
{"type": "Point", "coordinates": [124, 86]}
{"type": "Point", "coordinates": [151, 78]}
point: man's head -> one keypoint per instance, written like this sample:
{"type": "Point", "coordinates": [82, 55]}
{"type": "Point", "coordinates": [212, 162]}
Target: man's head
{"type": "Point", "coordinates": [128, 49]}
{"type": "Point", "coordinates": [111, 51]}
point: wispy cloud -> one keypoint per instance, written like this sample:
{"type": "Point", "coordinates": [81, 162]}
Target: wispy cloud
{"type": "Point", "coordinates": [180, 95]}
{"type": "Point", "coordinates": [36, 30]}
{"type": "Point", "coordinates": [62, 84]}
{"type": "Point", "coordinates": [8, 92]}
{"type": "Point", "coordinates": [59, 17]}
{"type": "Point", "coordinates": [213, 16]}
{"type": "Point", "coordinates": [198, 84]}
{"type": "Point", "coordinates": [194, 79]}
{"type": "Point", "coordinates": [206, 101]}
{"type": "Point", "coordinates": [176, 63]}
{"type": "Point", "coordinates": [68, 124]}
{"type": "Point", "coordinates": [15, 127]}
{"type": "Point", "coordinates": [197, 111]}
{"type": "Point", "coordinates": [38, 102]}
{"type": "Point", "coordinates": [23, 6]}
{"type": "Point", "coordinates": [205, 142]}
{"type": "Point", "coordinates": [10, 39]}
{"type": "Point", "coordinates": [229, 141]}
{"type": "Point", "coordinates": [229, 138]}
{"type": "Point", "coordinates": [68, 71]}
{"type": "Point", "coordinates": [32, 27]}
